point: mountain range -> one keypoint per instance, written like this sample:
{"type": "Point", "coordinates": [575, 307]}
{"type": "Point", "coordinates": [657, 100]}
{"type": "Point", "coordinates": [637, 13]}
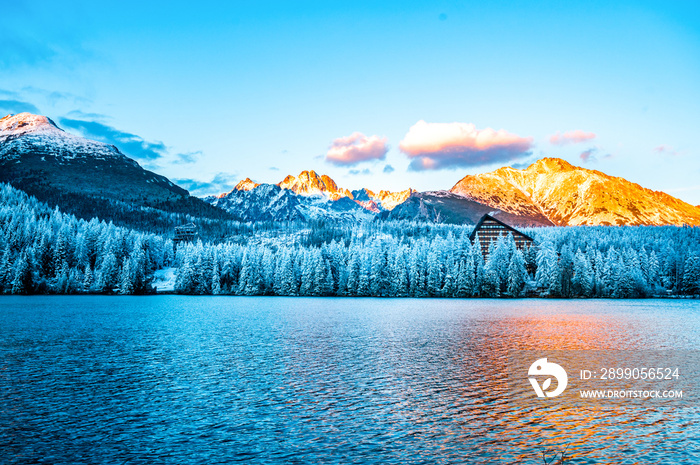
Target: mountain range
{"type": "Point", "coordinates": [309, 183]}
{"type": "Point", "coordinates": [90, 178]}
{"type": "Point", "coordinates": [305, 197]}
{"type": "Point", "coordinates": [549, 192]}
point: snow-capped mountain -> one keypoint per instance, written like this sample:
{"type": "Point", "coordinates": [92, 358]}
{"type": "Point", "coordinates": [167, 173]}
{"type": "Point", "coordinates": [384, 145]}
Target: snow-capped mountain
{"type": "Point", "coordinates": [571, 195]}
{"type": "Point", "coordinates": [25, 133]}
{"type": "Point", "coordinates": [306, 196]}
{"type": "Point", "coordinates": [446, 207]}
{"type": "Point", "coordinates": [311, 184]}
{"type": "Point", "coordinates": [82, 176]}
{"type": "Point", "coordinates": [270, 202]}
{"type": "Point", "coordinates": [264, 202]}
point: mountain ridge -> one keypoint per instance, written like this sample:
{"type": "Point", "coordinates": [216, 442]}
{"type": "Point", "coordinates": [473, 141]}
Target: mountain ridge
{"type": "Point", "coordinates": [309, 184]}
{"type": "Point", "coordinates": [569, 195]}
{"type": "Point", "coordinates": [85, 177]}
{"type": "Point", "coordinates": [448, 207]}
{"type": "Point", "coordinates": [37, 156]}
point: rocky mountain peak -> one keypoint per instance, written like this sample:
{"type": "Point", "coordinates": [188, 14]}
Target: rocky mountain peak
{"type": "Point", "coordinates": [310, 183]}
{"type": "Point", "coordinates": [549, 164]}
{"type": "Point", "coordinates": [246, 185]}
{"type": "Point", "coordinates": [25, 123]}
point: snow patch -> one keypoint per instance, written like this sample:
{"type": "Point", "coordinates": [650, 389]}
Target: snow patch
{"type": "Point", "coordinates": [164, 279]}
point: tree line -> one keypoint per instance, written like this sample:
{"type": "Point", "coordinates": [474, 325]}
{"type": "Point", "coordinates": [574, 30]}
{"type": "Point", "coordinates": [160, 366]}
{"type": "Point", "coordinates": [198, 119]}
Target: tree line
{"type": "Point", "coordinates": [47, 251]}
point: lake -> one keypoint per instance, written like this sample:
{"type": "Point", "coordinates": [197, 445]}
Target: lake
{"type": "Point", "coordinates": [98, 379]}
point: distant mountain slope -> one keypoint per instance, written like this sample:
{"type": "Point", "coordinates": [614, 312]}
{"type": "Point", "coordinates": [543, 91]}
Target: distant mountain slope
{"type": "Point", "coordinates": [270, 202]}
{"type": "Point", "coordinates": [446, 207]}
{"type": "Point", "coordinates": [311, 184]}
{"type": "Point", "coordinates": [304, 197]}
{"type": "Point", "coordinates": [84, 177]}
{"type": "Point", "coordinates": [571, 195]}
{"type": "Point", "coordinates": [264, 202]}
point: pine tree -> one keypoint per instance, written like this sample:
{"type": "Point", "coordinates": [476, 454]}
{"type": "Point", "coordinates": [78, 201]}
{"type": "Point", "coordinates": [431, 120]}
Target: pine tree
{"type": "Point", "coordinates": [490, 286]}
{"type": "Point", "coordinates": [215, 280]}
{"type": "Point", "coordinates": [691, 275]}
{"type": "Point", "coordinates": [327, 283]}
{"type": "Point", "coordinates": [61, 284]}
{"type": "Point", "coordinates": [565, 271]}
{"type": "Point", "coordinates": [434, 273]}
{"type": "Point", "coordinates": [363, 279]}
{"type": "Point", "coordinates": [500, 253]}
{"type": "Point", "coordinates": [185, 280]}
{"type": "Point", "coordinates": [548, 274]}
{"type": "Point", "coordinates": [653, 270]}
{"type": "Point", "coordinates": [289, 284]}
{"type": "Point", "coordinates": [478, 271]}
{"type": "Point", "coordinates": [319, 287]}
{"type": "Point", "coordinates": [614, 273]}
{"type": "Point", "coordinates": [137, 268]}
{"type": "Point", "coordinates": [251, 282]}
{"type": "Point", "coordinates": [465, 278]}
{"type": "Point", "coordinates": [582, 280]}
{"type": "Point", "coordinates": [517, 274]}
{"type": "Point", "coordinates": [6, 274]}
{"type": "Point", "coordinates": [126, 284]}
{"type": "Point", "coordinates": [379, 282]}
{"type": "Point", "coordinates": [108, 274]}
{"type": "Point", "coordinates": [267, 272]}
{"type": "Point", "coordinates": [449, 289]}
{"type": "Point", "coordinates": [308, 271]}
{"type": "Point", "coordinates": [88, 280]}
{"type": "Point", "coordinates": [43, 255]}
{"type": "Point", "coordinates": [353, 272]}
{"type": "Point", "coordinates": [60, 252]}
{"type": "Point", "coordinates": [22, 280]}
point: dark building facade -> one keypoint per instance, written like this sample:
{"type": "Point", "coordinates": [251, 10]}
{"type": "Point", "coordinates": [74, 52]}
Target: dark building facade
{"type": "Point", "coordinates": [185, 233]}
{"type": "Point", "coordinates": [488, 229]}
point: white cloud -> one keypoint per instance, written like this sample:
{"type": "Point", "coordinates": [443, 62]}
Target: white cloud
{"type": "Point", "coordinates": [450, 145]}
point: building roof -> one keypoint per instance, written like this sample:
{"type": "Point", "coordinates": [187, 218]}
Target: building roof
{"type": "Point", "coordinates": [186, 226]}
{"type": "Point", "coordinates": [472, 236]}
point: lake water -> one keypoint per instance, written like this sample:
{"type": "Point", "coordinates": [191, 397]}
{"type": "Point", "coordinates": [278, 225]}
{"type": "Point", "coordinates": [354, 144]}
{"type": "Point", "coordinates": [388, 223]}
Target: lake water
{"type": "Point", "coordinates": [158, 379]}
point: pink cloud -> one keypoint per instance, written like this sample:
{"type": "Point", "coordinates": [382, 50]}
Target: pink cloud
{"type": "Point", "coordinates": [356, 148]}
{"type": "Point", "coordinates": [571, 137]}
{"type": "Point", "coordinates": [665, 149]}
{"type": "Point", "coordinates": [450, 145]}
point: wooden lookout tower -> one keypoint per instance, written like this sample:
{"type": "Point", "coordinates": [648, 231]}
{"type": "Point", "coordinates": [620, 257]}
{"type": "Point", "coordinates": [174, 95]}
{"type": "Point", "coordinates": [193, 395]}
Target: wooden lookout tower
{"type": "Point", "coordinates": [185, 233]}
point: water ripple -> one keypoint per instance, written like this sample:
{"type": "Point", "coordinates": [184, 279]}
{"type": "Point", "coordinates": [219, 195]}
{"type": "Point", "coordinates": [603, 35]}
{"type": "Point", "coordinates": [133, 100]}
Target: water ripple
{"type": "Point", "coordinates": [275, 380]}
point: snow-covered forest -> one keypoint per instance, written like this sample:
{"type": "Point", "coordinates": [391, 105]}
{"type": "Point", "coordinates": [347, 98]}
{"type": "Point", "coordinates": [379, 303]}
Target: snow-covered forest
{"type": "Point", "coordinates": [47, 251]}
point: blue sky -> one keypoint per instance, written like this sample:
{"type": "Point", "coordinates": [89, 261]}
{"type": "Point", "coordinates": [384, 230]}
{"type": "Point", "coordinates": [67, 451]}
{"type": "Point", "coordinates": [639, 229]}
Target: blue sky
{"type": "Point", "coordinates": [211, 92]}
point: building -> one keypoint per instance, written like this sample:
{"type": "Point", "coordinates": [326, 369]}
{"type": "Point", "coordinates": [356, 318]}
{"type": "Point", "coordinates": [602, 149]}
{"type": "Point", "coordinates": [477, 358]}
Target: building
{"type": "Point", "coordinates": [185, 233]}
{"type": "Point", "coordinates": [488, 229]}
